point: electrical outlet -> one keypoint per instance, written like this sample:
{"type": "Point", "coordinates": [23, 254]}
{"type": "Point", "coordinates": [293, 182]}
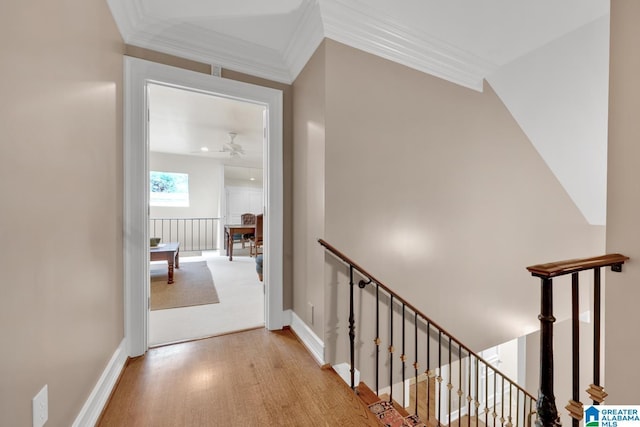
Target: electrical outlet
{"type": "Point", "coordinates": [40, 405]}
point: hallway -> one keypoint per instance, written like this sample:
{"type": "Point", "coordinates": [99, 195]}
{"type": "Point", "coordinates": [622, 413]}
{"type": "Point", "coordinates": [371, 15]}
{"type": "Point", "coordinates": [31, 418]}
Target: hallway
{"type": "Point", "coordinates": [252, 378]}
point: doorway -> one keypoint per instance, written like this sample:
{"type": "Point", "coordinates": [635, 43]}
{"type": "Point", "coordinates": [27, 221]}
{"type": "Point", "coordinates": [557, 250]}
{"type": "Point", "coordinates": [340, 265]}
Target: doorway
{"type": "Point", "coordinates": [138, 74]}
{"type": "Point", "coordinates": [201, 146]}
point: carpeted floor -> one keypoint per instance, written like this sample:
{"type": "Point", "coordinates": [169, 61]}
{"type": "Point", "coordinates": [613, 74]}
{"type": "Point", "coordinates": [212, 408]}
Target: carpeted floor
{"type": "Point", "coordinates": [241, 302]}
{"type": "Point", "coordinates": [193, 285]}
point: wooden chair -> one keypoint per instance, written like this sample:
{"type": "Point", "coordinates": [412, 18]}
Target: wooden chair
{"type": "Point", "coordinates": [245, 219]}
{"type": "Point", "coordinates": [255, 243]}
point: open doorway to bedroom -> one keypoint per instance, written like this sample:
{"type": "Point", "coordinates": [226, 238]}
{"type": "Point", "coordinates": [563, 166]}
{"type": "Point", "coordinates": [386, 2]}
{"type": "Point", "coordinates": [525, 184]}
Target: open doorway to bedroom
{"type": "Point", "coordinates": [205, 169]}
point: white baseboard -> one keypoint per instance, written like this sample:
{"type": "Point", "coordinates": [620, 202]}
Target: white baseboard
{"type": "Point", "coordinates": [310, 340]}
{"type": "Point", "coordinates": [94, 405]}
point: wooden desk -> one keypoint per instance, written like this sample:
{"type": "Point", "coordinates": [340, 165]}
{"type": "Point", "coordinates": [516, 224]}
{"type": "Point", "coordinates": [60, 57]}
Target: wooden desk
{"type": "Point", "coordinates": [167, 252]}
{"type": "Point", "coordinates": [231, 229]}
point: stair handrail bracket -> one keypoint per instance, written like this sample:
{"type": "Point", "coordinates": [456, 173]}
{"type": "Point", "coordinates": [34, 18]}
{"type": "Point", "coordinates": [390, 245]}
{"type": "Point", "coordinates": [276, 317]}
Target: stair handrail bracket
{"type": "Point", "coordinates": [546, 405]}
{"type": "Point", "coordinates": [452, 389]}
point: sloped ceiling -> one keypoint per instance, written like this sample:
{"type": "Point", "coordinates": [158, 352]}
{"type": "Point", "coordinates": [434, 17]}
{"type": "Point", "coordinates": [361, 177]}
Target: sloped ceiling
{"type": "Point", "coordinates": [547, 60]}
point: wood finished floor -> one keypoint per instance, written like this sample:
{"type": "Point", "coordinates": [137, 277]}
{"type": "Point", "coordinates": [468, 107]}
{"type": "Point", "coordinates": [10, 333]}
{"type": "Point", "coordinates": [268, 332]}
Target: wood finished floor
{"type": "Point", "coordinates": [253, 378]}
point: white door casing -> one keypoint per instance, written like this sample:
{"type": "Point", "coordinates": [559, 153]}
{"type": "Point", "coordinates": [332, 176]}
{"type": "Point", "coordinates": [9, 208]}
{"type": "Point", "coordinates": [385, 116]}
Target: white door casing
{"type": "Point", "coordinates": [138, 73]}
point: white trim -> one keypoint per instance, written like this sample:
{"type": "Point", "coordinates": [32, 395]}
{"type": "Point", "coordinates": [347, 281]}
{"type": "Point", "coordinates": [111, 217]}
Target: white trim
{"type": "Point", "coordinates": [305, 39]}
{"type": "Point", "coordinates": [99, 396]}
{"type": "Point", "coordinates": [138, 73]}
{"type": "Point", "coordinates": [352, 22]}
{"type": "Point", "coordinates": [310, 340]}
{"type": "Point", "coordinates": [200, 44]}
{"type": "Point", "coordinates": [135, 165]}
{"type": "Point", "coordinates": [356, 24]}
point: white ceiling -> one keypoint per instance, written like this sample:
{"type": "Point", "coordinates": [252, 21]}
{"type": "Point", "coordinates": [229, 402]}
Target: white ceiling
{"type": "Point", "coordinates": [184, 122]}
{"type": "Point", "coordinates": [463, 41]}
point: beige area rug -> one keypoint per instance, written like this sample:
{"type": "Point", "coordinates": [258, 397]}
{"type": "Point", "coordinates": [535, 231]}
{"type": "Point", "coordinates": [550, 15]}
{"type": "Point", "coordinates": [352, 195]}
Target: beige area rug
{"type": "Point", "coordinates": [193, 285]}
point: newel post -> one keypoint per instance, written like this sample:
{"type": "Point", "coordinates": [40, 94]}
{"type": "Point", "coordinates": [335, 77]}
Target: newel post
{"type": "Point", "coordinates": [546, 406]}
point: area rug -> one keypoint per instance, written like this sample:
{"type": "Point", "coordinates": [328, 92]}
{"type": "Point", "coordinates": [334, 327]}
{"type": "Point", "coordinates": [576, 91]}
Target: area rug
{"type": "Point", "coordinates": [193, 285]}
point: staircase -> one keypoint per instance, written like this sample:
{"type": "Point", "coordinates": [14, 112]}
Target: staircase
{"type": "Point", "coordinates": [417, 374]}
{"type": "Point", "coordinates": [389, 413]}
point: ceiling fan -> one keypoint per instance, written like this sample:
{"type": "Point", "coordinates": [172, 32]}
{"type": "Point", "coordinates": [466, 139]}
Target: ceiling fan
{"type": "Point", "coordinates": [231, 148]}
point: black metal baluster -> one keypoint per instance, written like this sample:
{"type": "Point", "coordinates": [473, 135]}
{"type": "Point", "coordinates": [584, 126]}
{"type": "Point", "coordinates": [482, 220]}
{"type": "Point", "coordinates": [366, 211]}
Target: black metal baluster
{"type": "Point", "coordinates": [486, 394]}
{"type": "Point", "coordinates": [596, 391]}
{"type": "Point", "coordinates": [596, 328]}
{"type": "Point", "coordinates": [352, 333]}
{"type": "Point", "coordinates": [518, 408]}
{"type": "Point", "coordinates": [502, 403]}
{"type": "Point", "coordinates": [495, 396]}
{"type": "Point", "coordinates": [574, 406]}
{"type": "Point", "coordinates": [391, 349]}
{"type": "Point", "coordinates": [510, 423]}
{"type": "Point", "coordinates": [469, 398]}
{"type": "Point", "coordinates": [439, 378]}
{"type": "Point", "coordinates": [403, 357]}
{"type": "Point", "coordinates": [428, 371]}
{"type": "Point", "coordinates": [449, 385]}
{"type": "Point", "coordinates": [460, 392]}
{"type": "Point", "coordinates": [546, 405]}
{"type": "Point", "coordinates": [477, 402]}
{"type": "Point", "coordinates": [377, 340]}
{"type": "Point", "coordinates": [415, 365]}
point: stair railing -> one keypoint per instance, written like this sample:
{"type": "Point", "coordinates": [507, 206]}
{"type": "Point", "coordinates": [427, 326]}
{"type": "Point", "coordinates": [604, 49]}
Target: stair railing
{"type": "Point", "coordinates": [193, 234]}
{"type": "Point", "coordinates": [460, 385]}
{"type": "Point", "coordinates": [546, 406]}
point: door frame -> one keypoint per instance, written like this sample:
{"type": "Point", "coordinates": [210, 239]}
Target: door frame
{"type": "Point", "coordinates": [138, 73]}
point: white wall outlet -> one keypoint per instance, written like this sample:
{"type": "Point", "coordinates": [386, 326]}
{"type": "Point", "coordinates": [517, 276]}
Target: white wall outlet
{"type": "Point", "coordinates": [40, 404]}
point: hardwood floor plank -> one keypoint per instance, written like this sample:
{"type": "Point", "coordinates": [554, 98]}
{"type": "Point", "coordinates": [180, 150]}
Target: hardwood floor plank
{"type": "Point", "coordinates": [256, 378]}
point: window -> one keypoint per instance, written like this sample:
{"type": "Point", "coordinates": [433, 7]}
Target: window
{"type": "Point", "coordinates": [169, 189]}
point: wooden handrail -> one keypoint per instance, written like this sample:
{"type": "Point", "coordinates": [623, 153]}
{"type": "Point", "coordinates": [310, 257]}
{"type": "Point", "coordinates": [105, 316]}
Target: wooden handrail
{"type": "Point", "coordinates": [459, 343]}
{"type": "Point", "coordinates": [560, 268]}
{"type": "Point", "coordinates": [546, 405]}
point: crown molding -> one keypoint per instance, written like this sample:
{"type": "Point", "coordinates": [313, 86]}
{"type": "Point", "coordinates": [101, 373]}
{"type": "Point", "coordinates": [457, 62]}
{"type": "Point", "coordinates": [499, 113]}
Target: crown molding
{"type": "Point", "coordinates": [355, 24]}
{"type": "Point", "coordinates": [140, 28]}
{"type": "Point", "coordinates": [127, 15]}
{"type": "Point", "coordinates": [199, 44]}
{"type": "Point", "coordinates": [305, 39]}
{"type": "Point", "coordinates": [351, 22]}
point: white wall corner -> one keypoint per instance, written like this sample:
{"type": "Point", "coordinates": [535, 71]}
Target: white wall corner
{"type": "Point", "coordinates": [99, 396]}
{"type": "Point", "coordinates": [310, 340]}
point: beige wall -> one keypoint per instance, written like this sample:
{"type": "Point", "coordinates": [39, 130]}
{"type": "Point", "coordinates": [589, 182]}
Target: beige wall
{"type": "Point", "coordinates": [308, 191]}
{"type": "Point", "coordinates": [623, 205]}
{"type": "Point", "coordinates": [437, 191]}
{"type": "Point", "coordinates": [61, 297]}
